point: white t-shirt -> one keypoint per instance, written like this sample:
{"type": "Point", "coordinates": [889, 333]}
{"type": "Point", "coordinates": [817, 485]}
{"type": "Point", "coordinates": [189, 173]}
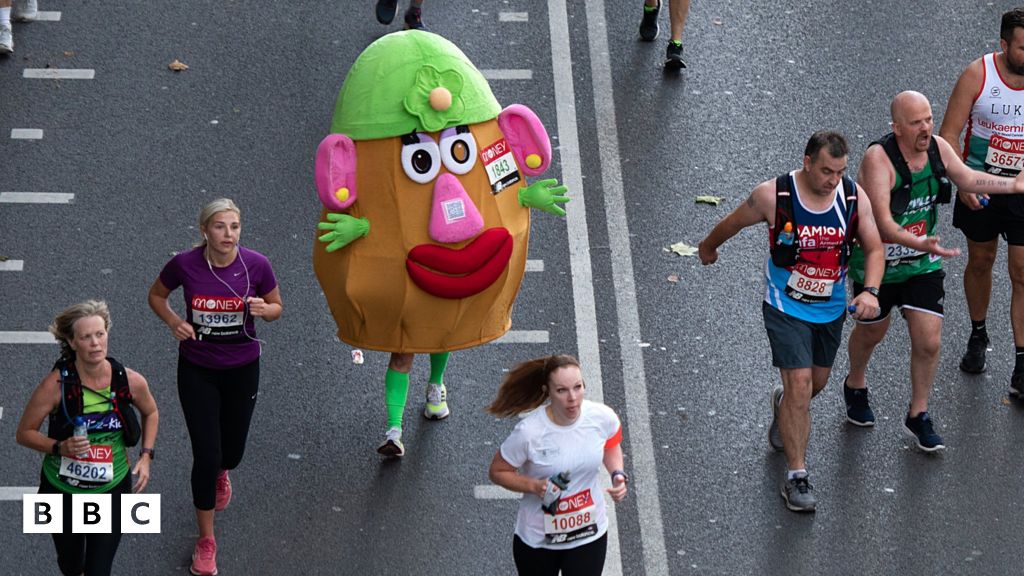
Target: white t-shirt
{"type": "Point", "coordinates": [539, 448]}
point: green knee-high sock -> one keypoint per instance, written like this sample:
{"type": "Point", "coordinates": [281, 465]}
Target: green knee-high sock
{"type": "Point", "coordinates": [396, 388]}
{"type": "Point", "coordinates": [438, 362]}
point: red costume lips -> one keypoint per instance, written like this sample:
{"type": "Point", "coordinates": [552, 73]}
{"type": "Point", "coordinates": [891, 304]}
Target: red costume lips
{"type": "Point", "coordinates": [450, 273]}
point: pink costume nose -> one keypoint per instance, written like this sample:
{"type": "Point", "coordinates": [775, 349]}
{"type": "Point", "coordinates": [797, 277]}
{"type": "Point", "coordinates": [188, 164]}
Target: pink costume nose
{"type": "Point", "coordinates": [453, 216]}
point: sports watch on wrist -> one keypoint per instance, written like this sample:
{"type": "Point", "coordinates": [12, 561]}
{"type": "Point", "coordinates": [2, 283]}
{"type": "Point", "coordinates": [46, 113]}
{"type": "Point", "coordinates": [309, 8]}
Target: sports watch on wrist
{"type": "Point", "coordinates": [615, 473]}
{"type": "Point", "coordinates": [55, 450]}
{"type": "Point", "coordinates": [152, 454]}
{"type": "Point", "coordinates": [871, 290]}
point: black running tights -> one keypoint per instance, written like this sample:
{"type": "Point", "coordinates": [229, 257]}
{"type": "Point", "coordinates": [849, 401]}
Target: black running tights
{"type": "Point", "coordinates": [89, 554]}
{"type": "Point", "coordinates": [586, 560]}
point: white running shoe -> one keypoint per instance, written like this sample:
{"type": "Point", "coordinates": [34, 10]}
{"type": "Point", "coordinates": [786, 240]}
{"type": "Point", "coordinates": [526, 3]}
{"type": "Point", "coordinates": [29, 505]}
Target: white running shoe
{"type": "Point", "coordinates": [437, 402]}
{"type": "Point", "coordinates": [25, 10]}
{"type": "Point", "coordinates": [6, 40]}
{"type": "Point", "coordinates": [392, 444]}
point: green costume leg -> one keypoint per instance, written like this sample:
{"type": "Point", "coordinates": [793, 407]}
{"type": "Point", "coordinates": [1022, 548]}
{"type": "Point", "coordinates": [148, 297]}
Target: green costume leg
{"type": "Point", "coordinates": [438, 363]}
{"type": "Point", "coordinates": [396, 389]}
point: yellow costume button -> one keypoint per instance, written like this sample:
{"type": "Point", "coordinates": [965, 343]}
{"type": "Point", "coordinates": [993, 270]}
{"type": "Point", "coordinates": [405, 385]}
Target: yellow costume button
{"type": "Point", "coordinates": [533, 161]}
{"type": "Point", "coordinates": [341, 194]}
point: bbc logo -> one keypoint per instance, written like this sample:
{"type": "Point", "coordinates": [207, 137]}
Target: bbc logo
{"type": "Point", "coordinates": [90, 513]}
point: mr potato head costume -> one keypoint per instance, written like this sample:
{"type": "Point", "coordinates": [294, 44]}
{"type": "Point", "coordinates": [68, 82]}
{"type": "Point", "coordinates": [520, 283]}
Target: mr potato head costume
{"type": "Point", "coordinates": [425, 210]}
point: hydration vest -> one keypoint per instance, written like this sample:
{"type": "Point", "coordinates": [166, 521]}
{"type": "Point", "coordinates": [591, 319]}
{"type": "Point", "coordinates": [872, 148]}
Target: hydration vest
{"type": "Point", "coordinates": [62, 419]}
{"type": "Point", "coordinates": [899, 198]}
{"type": "Point", "coordinates": [786, 255]}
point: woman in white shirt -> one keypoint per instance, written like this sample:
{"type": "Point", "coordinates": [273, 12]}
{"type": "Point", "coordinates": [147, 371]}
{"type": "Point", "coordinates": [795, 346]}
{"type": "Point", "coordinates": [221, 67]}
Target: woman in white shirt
{"type": "Point", "coordinates": [553, 457]}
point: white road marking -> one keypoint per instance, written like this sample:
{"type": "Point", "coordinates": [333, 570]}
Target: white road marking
{"type": "Point", "coordinates": [27, 338]}
{"type": "Point", "coordinates": [534, 265]}
{"type": "Point", "coordinates": [16, 492]}
{"type": "Point", "coordinates": [492, 492]}
{"type": "Point", "coordinates": [35, 198]}
{"type": "Point", "coordinates": [513, 16]}
{"type": "Point", "coordinates": [60, 73]}
{"type": "Point", "coordinates": [12, 266]}
{"type": "Point", "coordinates": [579, 241]}
{"type": "Point", "coordinates": [523, 337]}
{"type": "Point", "coordinates": [645, 474]}
{"type": "Point", "coordinates": [26, 133]}
{"type": "Point", "coordinates": [50, 16]}
{"type": "Point", "coordinates": [504, 74]}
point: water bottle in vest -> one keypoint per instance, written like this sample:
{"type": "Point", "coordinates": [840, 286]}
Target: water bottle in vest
{"type": "Point", "coordinates": [786, 237]}
{"type": "Point", "coordinates": [553, 494]}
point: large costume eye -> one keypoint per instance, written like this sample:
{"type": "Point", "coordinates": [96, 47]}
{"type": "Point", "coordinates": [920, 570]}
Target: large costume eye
{"type": "Point", "coordinates": [421, 159]}
{"type": "Point", "coordinates": [458, 149]}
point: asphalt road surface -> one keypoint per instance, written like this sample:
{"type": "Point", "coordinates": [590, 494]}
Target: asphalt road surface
{"type": "Point", "coordinates": [677, 349]}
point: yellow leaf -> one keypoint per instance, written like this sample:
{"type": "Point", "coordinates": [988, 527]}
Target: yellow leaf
{"type": "Point", "coordinates": [683, 249]}
{"type": "Point", "coordinates": [178, 65]}
{"type": "Point", "coordinates": [713, 200]}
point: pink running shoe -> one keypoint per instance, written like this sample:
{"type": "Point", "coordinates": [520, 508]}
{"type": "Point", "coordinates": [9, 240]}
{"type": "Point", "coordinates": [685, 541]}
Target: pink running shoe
{"type": "Point", "coordinates": [204, 558]}
{"type": "Point", "coordinates": [223, 491]}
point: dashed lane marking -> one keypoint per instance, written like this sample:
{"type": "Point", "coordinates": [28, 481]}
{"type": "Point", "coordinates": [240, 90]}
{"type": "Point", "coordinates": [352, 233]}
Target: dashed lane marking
{"type": "Point", "coordinates": [524, 337]}
{"type": "Point", "coordinates": [50, 16]}
{"type": "Point", "coordinates": [60, 73]}
{"type": "Point", "coordinates": [534, 265]}
{"type": "Point", "coordinates": [492, 492]}
{"type": "Point", "coordinates": [27, 338]}
{"type": "Point", "coordinates": [16, 492]}
{"type": "Point", "coordinates": [12, 266]}
{"type": "Point", "coordinates": [507, 74]}
{"type": "Point", "coordinates": [26, 134]}
{"type": "Point", "coordinates": [513, 16]}
{"type": "Point", "coordinates": [35, 198]}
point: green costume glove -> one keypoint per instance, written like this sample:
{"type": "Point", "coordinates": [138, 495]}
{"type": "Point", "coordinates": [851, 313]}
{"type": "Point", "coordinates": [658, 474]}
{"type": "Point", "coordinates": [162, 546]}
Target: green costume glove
{"type": "Point", "coordinates": [544, 195]}
{"type": "Point", "coordinates": [343, 230]}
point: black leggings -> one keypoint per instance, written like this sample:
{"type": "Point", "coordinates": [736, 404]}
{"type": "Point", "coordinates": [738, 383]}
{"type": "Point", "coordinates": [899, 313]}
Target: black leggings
{"type": "Point", "coordinates": [586, 560]}
{"type": "Point", "coordinates": [89, 554]}
{"type": "Point", "coordinates": [218, 406]}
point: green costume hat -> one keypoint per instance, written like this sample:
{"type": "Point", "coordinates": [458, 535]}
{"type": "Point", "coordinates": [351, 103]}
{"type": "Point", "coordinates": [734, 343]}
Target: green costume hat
{"type": "Point", "coordinates": [411, 81]}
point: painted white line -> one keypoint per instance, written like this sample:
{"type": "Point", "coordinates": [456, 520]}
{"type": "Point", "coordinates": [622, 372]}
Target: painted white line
{"type": "Point", "coordinates": [579, 242]}
{"type": "Point", "coordinates": [525, 337]}
{"type": "Point", "coordinates": [513, 16]}
{"type": "Point", "coordinates": [534, 265]}
{"type": "Point", "coordinates": [16, 492]}
{"type": "Point", "coordinates": [12, 266]}
{"type": "Point", "coordinates": [35, 198]}
{"type": "Point", "coordinates": [50, 16]}
{"type": "Point", "coordinates": [645, 474]}
{"type": "Point", "coordinates": [60, 73]}
{"type": "Point", "coordinates": [26, 133]}
{"type": "Point", "coordinates": [27, 338]}
{"type": "Point", "coordinates": [503, 74]}
{"type": "Point", "coordinates": [492, 492]}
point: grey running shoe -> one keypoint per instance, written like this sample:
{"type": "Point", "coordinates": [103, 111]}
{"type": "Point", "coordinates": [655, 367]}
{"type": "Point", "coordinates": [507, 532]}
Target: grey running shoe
{"type": "Point", "coordinates": [674, 57]}
{"type": "Point", "coordinates": [25, 10]}
{"type": "Point", "coordinates": [1017, 385]}
{"type": "Point", "coordinates": [392, 444]}
{"type": "Point", "coordinates": [774, 436]}
{"type": "Point", "coordinates": [649, 23]}
{"type": "Point", "coordinates": [799, 494]}
{"type": "Point", "coordinates": [386, 10]}
{"type": "Point", "coordinates": [973, 361]}
{"type": "Point", "coordinates": [920, 427]}
{"type": "Point", "coordinates": [858, 411]}
{"type": "Point", "coordinates": [437, 402]}
{"type": "Point", "coordinates": [6, 40]}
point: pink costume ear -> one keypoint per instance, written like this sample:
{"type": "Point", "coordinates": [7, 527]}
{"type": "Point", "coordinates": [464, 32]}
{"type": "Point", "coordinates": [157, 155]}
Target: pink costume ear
{"type": "Point", "coordinates": [335, 171]}
{"type": "Point", "coordinates": [527, 137]}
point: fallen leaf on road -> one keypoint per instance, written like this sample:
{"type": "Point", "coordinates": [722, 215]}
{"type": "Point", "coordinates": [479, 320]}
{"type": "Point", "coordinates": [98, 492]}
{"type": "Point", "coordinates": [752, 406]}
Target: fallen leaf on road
{"type": "Point", "coordinates": [178, 66]}
{"type": "Point", "coordinates": [68, 53]}
{"type": "Point", "coordinates": [716, 21]}
{"type": "Point", "coordinates": [683, 249]}
{"type": "Point", "coordinates": [1006, 401]}
{"type": "Point", "coordinates": [713, 200]}
{"type": "Point", "coordinates": [673, 278]}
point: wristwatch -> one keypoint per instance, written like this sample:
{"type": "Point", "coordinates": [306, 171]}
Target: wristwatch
{"type": "Point", "coordinates": [152, 454]}
{"type": "Point", "coordinates": [56, 448]}
{"type": "Point", "coordinates": [871, 290]}
{"type": "Point", "coordinates": [615, 473]}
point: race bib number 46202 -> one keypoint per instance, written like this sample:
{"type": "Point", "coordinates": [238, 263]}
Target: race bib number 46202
{"type": "Point", "coordinates": [95, 468]}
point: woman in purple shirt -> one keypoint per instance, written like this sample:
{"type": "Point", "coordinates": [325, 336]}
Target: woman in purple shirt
{"type": "Point", "coordinates": [225, 287]}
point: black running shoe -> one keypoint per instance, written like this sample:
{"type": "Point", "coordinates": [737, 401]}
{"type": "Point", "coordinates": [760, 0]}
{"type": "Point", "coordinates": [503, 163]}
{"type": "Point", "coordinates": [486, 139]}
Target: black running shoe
{"type": "Point", "coordinates": [921, 428]}
{"type": "Point", "coordinates": [649, 23]}
{"type": "Point", "coordinates": [858, 410]}
{"type": "Point", "coordinates": [1017, 385]}
{"type": "Point", "coordinates": [386, 11]}
{"type": "Point", "coordinates": [674, 57]}
{"type": "Point", "coordinates": [413, 19]}
{"type": "Point", "coordinates": [973, 361]}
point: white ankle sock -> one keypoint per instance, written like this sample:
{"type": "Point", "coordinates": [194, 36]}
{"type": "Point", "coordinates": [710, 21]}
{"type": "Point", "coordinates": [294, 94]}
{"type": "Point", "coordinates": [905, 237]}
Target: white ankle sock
{"type": "Point", "coordinates": [794, 473]}
{"type": "Point", "coordinates": [5, 17]}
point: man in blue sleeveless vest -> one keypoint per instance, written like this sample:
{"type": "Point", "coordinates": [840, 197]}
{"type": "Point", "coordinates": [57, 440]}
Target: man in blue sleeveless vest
{"type": "Point", "coordinates": [906, 176]}
{"type": "Point", "coordinates": [989, 100]}
{"type": "Point", "coordinates": [813, 215]}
